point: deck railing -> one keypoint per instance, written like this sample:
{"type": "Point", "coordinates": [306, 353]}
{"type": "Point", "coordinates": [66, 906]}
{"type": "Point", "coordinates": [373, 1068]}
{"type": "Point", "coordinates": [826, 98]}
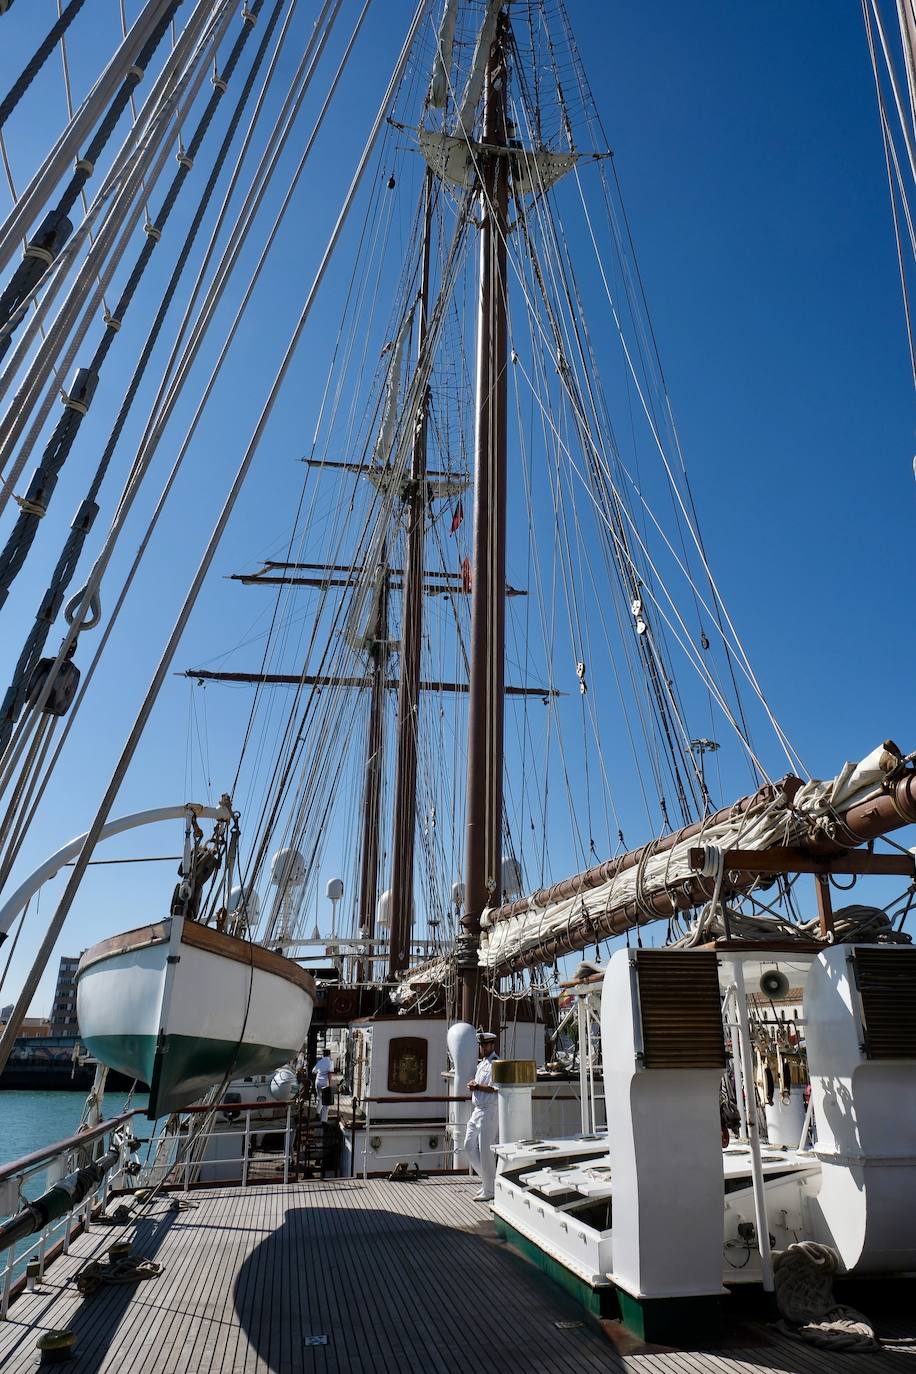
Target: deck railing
{"type": "Point", "coordinates": [361, 1117]}
{"type": "Point", "coordinates": [184, 1172]}
{"type": "Point", "coordinates": [56, 1162]}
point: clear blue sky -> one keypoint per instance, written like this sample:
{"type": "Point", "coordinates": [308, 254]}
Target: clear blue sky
{"type": "Point", "coordinates": [748, 147]}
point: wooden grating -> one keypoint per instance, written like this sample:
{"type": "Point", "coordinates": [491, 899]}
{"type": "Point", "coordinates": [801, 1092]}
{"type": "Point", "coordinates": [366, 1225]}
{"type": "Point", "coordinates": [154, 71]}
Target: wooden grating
{"type": "Point", "coordinates": [395, 1277]}
{"type": "Point", "coordinates": [886, 980]}
{"type": "Point", "coordinates": [680, 1009]}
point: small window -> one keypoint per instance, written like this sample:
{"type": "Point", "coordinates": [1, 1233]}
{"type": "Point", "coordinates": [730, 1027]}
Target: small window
{"type": "Point", "coordinates": [407, 1056]}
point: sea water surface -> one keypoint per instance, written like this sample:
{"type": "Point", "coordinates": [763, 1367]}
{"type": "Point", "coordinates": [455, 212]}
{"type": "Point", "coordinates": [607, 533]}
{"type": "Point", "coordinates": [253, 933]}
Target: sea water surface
{"type": "Point", "coordinates": [31, 1120]}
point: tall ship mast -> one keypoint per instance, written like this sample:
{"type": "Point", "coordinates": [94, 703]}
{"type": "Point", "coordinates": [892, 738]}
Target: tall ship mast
{"type": "Point", "coordinates": [385, 541]}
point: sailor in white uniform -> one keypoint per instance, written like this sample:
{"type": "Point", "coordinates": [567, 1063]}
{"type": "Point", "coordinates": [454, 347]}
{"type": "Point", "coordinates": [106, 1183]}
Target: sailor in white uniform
{"type": "Point", "coordinates": [324, 1092]}
{"type": "Point", "coordinates": [483, 1122]}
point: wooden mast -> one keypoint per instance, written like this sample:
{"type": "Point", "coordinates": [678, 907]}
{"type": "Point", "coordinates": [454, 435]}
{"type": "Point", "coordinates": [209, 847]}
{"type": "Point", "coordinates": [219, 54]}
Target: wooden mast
{"type": "Point", "coordinates": [375, 748]}
{"type": "Point", "coordinates": [405, 776]}
{"type": "Point", "coordinates": [483, 842]}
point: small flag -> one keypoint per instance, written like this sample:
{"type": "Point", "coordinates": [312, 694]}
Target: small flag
{"type": "Point", "coordinates": [457, 518]}
{"type": "Point", "coordinates": [466, 575]}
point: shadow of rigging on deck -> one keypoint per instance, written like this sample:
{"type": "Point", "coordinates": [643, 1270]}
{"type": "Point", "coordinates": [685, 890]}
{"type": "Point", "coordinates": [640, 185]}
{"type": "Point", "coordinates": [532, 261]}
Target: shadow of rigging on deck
{"type": "Point", "coordinates": [350, 1288]}
{"type": "Point", "coordinates": [97, 1317]}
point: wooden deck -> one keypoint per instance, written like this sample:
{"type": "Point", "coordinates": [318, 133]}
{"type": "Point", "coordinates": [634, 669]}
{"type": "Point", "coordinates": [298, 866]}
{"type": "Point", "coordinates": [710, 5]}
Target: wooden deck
{"type": "Point", "coordinates": [342, 1275]}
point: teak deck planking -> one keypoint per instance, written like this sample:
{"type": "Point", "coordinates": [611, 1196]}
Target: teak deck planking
{"type": "Point", "coordinates": [406, 1277]}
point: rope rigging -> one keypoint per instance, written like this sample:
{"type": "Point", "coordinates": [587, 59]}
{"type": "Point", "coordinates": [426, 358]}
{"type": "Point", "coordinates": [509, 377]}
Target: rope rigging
{"type": "Point", "coordinates": [162, 407]}
{"type": "Point", "coordinates": [54, 230]}
{"type": "Point", "coordinates": [38, 59]}
{"type": "Point", "coordinates": [118, 203]}
{"type": "Point", "coordinates": [58, 448]}
{"type": "Point", "coordinates": [22, 679]}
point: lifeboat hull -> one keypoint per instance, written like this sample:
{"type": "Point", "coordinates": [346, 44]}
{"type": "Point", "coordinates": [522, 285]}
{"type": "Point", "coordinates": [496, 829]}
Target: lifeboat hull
{"type": "Point", "coordinates": [181, 1006]}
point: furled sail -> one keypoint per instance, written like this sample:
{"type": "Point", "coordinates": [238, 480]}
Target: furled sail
{"type": "Point", "coordinates": [392, 389]}
{"type": "Point", "coordinates": [438, 86]}
{"type": "Point", "coordinates": [661, 879]}
{"type": "Point", "coordinates": [474, 87]}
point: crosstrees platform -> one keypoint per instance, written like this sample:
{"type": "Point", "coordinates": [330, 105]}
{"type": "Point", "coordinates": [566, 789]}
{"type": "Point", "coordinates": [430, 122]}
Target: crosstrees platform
{"type": "Point", "coordinates": [342, 1275]}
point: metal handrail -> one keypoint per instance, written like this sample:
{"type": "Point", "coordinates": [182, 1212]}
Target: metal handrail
{"type": "Point", "coordinates": [535, 1097]}
{"type": "Point", "coordinates": [236, 1107]}
{"type": "Point", "coordinates": [28, 1162]}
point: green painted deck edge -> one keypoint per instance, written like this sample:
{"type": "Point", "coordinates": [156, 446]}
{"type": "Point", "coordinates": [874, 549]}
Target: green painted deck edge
{"type": "Point", "coordinates": [599, 1302]}
{"type": "Point", "coordinates": [658, 1321]}
{"type": "Point", "coordinates": [670, 1321]}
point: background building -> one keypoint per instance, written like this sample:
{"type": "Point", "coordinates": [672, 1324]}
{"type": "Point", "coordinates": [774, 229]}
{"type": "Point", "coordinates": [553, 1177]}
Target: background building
{"type": "Point", "coordinates": [63, 1008]}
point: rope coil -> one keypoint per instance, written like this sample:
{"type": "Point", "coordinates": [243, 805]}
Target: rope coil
{"type": "Point", "coordinates": [803, 1279]}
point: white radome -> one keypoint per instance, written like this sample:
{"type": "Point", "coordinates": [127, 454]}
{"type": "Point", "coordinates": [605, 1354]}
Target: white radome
{"type": "Point", "coordinates": [287, 868]}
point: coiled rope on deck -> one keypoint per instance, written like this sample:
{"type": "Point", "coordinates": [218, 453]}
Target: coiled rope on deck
{"type": "Point", "coordinates": [121, 1269]}
{"type": "Point", "coordinates": [803, 1279]}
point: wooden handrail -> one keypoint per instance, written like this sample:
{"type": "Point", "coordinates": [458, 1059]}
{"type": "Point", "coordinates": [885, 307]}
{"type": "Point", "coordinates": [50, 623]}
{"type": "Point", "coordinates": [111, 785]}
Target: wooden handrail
{"type": "Point", "coordinates": [26, 1162]}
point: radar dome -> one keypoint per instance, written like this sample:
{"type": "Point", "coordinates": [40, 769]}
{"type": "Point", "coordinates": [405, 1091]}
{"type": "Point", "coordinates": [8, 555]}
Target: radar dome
{"type": "Point", "coordinates": [248, 904]}
{"type": "Point", "coordinates": [287, 868]}
{"type": "Point", "coordinates": [458, 894]}
{"type": "Point", "coordinates": [334, 889]}
{"type": "Point", "coordinates": [383, 911]}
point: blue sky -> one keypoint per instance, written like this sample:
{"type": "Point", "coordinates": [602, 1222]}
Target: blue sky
{"type": "Point", "coordinates": [748, 147]}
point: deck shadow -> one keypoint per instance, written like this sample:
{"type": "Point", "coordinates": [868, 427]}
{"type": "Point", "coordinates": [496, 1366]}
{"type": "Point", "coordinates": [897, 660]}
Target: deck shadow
{"type": "Point", "coordinates": [361, 1289]}
{"type": "Point", "coordinates": [96, 1320]}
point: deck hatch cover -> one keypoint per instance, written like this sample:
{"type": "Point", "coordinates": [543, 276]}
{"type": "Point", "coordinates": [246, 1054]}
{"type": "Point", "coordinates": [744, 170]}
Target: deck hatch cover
{"type": "Point", "coordinates": [886, 980]}
{"type": "Point", "coordinates": [680, 1009]}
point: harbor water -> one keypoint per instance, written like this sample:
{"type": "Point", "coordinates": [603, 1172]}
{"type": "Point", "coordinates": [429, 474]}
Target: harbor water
{"type": "Point", "coordinates": [31, 1120]}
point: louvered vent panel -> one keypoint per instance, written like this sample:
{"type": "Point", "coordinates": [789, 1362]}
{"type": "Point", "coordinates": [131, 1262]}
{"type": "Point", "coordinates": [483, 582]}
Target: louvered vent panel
{"type": "Point", "coordinates": [887, 988]}
{"type": "Point", "coordinates": [681, 1009]}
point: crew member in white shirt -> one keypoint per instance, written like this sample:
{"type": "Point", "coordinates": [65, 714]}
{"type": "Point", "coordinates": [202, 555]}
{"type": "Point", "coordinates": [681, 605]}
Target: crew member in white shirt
{"type": "Point", "coordinates": [483, 1122]}
{"type": "Point", "coordinates": [324, 1092]}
